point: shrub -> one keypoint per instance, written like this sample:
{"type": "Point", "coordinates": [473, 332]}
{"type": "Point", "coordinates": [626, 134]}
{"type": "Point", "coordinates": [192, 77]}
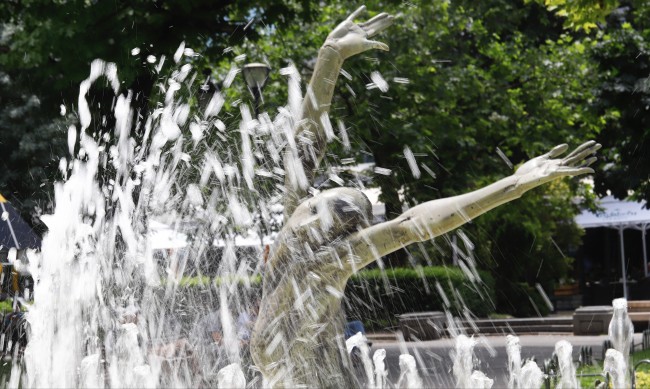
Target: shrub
{"type": "Point", "coordinates": [203, 281]}
{"type": "Point", "coordinates": [375, 296]}
{"type": "Point", "coordinates": [642, 379]}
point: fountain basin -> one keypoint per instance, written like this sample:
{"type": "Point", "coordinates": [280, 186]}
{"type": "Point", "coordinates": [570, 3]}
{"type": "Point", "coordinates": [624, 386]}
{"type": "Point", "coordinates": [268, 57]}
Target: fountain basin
{"type": "Point", "coordinates": [423, 325]}
{"type": "Point", "coordinates": [592, 320]}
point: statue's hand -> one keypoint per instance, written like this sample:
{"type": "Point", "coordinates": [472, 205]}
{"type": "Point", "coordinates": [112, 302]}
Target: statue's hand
{"type": "Point", "coordinates": [546, 167]}
{"type": "Point", "coordinates": [349, 38]}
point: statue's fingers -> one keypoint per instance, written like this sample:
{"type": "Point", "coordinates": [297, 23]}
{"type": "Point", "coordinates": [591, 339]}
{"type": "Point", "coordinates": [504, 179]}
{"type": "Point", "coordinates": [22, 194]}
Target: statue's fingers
{"type": "Point", "coordinates": [375, 45]}
{"type": "Point", "coordinates": [574, 157]}
{"type": "Point", "coordinates": [374, 19]}
{"type": "Point", "coordinates": [574, 171]}
{"type": "Point", "coordinates": [581, 148]}
{"type": "Point", "coordinates": [356, 13]}
{"type": "Point", "coordinates": [588, 161]}
{"type": "Point", "coordinates": [582, 170]}
{"type": "Point", "coordinates": [557, 150]}
{"type": "Point", "coordinates": [377, 24]}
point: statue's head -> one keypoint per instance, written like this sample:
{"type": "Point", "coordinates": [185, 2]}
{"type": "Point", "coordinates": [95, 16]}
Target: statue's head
{"type": "Point", "coordinates": [329, 215]}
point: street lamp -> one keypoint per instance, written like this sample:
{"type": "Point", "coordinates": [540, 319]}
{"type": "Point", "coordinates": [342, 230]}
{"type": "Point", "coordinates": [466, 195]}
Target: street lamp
{"type": "Point", "coordinates": [255, 75]}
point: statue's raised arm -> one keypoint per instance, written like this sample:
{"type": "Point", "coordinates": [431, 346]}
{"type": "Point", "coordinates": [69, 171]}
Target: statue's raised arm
{"type": "Point", "coordinates": [312, 130]}
{"type": "Point", "coordinates": [437, 217]}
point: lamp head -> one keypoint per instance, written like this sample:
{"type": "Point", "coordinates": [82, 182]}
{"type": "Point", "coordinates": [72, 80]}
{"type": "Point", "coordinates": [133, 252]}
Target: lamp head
{"type": "Point", "coordinates": [255, 75]}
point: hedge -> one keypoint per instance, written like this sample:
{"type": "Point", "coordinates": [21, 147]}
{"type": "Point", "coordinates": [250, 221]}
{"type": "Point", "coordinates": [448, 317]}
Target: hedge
{"type": "Point", "coordinates": [376, 297]}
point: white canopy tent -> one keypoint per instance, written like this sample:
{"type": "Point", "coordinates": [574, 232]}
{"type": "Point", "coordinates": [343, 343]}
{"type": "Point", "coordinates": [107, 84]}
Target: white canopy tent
{"type": "Point", "coordinates": [162, 236]}
{"type": "Point", "coordinates": [620, 215]}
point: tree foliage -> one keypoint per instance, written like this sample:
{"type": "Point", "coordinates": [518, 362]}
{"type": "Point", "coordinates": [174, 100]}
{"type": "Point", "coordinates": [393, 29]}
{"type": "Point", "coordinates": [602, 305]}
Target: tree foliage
{"type": "Point", "coordinates": [622, 52]}
{"type": "Point", "coordinates": [580, 14]}
{"type": "Point", "coordinates": [466, 90]}
{"type": "Point", "coordinates": [47, 48]}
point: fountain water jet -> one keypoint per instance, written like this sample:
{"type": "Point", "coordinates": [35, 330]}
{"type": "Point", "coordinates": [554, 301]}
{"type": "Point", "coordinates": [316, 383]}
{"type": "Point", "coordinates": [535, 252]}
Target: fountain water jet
{"type": "Point", "coordinates": [621, 332]}
{"type": "Point", "coordinates": [531, 375]}
{"type": "Point", "coordinates": [567, 370]}
{"type": "Point", "coordinates": [513, 348]}
{"type": "Point", "coordinates": [380, 368]}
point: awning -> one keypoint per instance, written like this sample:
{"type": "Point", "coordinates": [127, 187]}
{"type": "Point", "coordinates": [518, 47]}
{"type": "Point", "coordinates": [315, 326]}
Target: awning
{"type": "Point", "coordinates": [14, 231]}
{"type": "Point", "coordinates": [616, 214]}
{"type": "Point", "coordinates": [620, 215]}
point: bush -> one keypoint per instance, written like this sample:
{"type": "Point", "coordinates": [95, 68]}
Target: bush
{"type": "Point", "coordinates": [376, 296]}
{"type": "Point", "coordinates": [203, 281]}
{"type": "Point", "coordinates": [7, 306]}
{"type": "Point", "coordinates": [642, 379]}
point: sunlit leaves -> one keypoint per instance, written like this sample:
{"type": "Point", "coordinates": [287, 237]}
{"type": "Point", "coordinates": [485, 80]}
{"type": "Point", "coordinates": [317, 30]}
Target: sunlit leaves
{"type": "Point", "coordinates": [580, 14]}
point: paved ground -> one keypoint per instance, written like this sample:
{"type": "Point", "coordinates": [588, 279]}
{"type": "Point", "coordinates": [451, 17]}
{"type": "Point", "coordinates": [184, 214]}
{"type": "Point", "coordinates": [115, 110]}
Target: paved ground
{"type": "Point", "coordinates": [490, 352]}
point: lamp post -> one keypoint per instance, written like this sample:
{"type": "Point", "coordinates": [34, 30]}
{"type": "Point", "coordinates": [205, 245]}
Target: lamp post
{"type": "Point", "coordinates": [256, 74]}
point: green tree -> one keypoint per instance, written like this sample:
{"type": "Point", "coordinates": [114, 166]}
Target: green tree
{"type": "Point", "coordinates": [462, 80]}
{"type": "Point", "coordinates": [26, 148]}
{"type": "Point", "coordinates": [622, 53]}
{"type": "Point", "coordinates": [47, 48]}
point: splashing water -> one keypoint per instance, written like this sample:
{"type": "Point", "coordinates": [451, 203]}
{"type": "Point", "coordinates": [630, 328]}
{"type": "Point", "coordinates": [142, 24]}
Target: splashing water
{"type": "Point", "coordinates": [621, 332]}
{"type": "Point", "coordinates": [359, 344]}
{"type": "Point", "coordinates": [620, 329]}
{"type": "Point", "coordinates": [513, 348]}
{"type": "Point", "coordinates": [409, 377]}
{"type": "Point", "coordinates": [380, 368]}
{"type": "Point", "coordinates": [463, 365]}
{"type": "Point", "coordinates": [103, 298]}
{"type": "Point", "coordinates": [616, 366]}
{"type": "Point", "coordinates": [113, 310]}
{"type": "Point", "coordinates": [109, 311]}
{"type": "Point", "coordinates": [567, 370]}
{"type": "Point", "coordinates": [479, 380]}
{"type": "Point", "coordinates": [531, 375]}
{"type": "Point", "coordinates": [231, 376]}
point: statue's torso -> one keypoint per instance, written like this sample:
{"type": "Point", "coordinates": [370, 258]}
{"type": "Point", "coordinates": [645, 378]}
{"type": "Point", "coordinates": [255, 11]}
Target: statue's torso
{"type": "Point", "coordinates": [298, 337]}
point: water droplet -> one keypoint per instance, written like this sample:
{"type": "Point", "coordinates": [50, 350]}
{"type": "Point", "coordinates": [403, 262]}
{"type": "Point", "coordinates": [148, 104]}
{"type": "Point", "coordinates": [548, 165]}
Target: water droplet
{"type": "Point", "coordinates": [179, 52]}
{"type": "Point", "coordinates": [135, 51]}
{"type": "Point", "coordinates": [5, 216]}
{"type": "Point", "coordinates": [379, 81]}
{"type": "Point", "coordinates": [410, 158]}
{"type": "Point", "coordinates": [401, 80]}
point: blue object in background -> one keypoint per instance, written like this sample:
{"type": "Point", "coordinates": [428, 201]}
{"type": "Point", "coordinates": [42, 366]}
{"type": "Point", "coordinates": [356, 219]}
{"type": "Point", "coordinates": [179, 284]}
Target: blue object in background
{"type": "Point", "coordinates": [352, 327]}
{"type": "Point", "coordinates": [14, 231]}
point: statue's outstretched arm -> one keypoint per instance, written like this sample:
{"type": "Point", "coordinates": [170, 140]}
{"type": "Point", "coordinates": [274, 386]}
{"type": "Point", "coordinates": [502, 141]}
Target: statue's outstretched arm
{"type": "Point", "coordinates": [438, 217]}
{"type": "Point", "coordinates": [313, 131]}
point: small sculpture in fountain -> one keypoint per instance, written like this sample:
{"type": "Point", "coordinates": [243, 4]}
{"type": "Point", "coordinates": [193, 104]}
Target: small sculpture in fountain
{"type": "Point", "coordinates": [298, 337]}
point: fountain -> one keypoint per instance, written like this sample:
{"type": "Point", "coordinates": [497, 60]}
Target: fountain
{"type": "Point", "coordinates": [102, 315]}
